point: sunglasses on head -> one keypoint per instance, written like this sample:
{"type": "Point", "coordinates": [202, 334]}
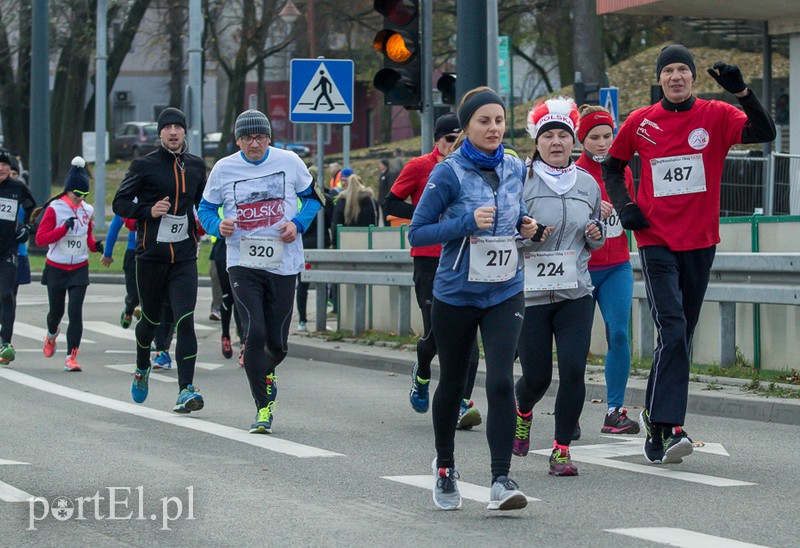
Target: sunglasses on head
{"type": "Point", "coordinates": [450, 138]}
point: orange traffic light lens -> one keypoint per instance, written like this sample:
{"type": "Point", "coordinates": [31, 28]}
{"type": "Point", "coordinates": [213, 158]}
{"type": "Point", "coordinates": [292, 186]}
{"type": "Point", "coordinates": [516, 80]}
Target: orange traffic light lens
{"type": "Point", "coordinates": [397, 50]}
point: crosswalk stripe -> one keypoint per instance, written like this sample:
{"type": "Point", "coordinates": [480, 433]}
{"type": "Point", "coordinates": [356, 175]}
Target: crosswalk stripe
{"type": "Point", "coordinates": [9, 493]}
{"type": "Point", "coordinates": [684, 538]}
{"type": "Point", "coordinates": [271, 443]}
{"type": "Point", "coordinates": [128, 368]}
{"type": "Point", "coordinates": [37, 333]}
{"type": "Point", "coordinates": [469, 491]}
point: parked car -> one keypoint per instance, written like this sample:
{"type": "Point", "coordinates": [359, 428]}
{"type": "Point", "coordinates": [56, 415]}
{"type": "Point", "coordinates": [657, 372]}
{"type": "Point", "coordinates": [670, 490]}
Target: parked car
{"type": "Point", "coordinates": [300, 150]}
{"type": "Point", "coordinates": [133, 139]}
{"type": "Point", "coordinates": [211, 142]}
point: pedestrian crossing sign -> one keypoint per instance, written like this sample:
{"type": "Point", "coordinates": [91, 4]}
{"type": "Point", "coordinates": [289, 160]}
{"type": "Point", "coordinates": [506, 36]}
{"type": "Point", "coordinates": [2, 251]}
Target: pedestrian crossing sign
{"type": "Point", "coordinates": [321, 91]}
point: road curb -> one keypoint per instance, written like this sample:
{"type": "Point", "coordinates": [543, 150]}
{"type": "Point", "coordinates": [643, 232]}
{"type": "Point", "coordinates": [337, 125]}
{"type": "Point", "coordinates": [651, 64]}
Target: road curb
{"type": "Point", "coordinates": [723, 400]}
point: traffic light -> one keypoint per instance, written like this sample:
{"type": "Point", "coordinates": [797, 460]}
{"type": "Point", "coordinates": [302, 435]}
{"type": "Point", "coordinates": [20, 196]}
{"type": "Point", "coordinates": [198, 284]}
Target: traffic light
{"type": "Point", "coordinates": [399, 42]}
{"type": "Point", "coordinates": [446, 84]}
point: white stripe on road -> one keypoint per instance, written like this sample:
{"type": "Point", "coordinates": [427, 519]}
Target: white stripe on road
{"type": "Point", "coordinates": [9, 493]}
{"type": "Point", "coordinates": [672, 536]}
{"type": "Point", "coordinates": [129, 369]}
{"type": "Point", "coordinates": [468, 490]}
{"type": "Point", "coordinates": [37, 333]}
{"type": "Point", "coordinates": [604, 455]}
{"type": "Point", "coordinates": [268, 442]}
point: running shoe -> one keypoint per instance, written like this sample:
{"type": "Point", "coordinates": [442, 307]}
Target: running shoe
{"type": "Point", "coordinates": [215, 316]}
{"type": "Point", "coordinates": [576, 434]}
{"type": "Point", "coordinates": [7, 354]}
{"type": "Point", "coordinates": [677, 445]}
{"type": "Point", "coordinates": [618, 422]}
{"type": "Point", "coordinates": [522, 439]}
{"type": "Point", "coordinates": [505, 495]}
{"type": "Point", "coordinates": [468, 416]}
{"type": "Point", "coordinates": [561, 463]}
{"type": "Point", "coordinates": [71, 363]}
{"type": "Point", "coordinates": [141, 384]}
{"type": "Point", "coordinates": [418, 396]}
{"type": "Point", "coordinates": [189, 400]}
{"type": "Point", "coordinates": [263, 423]}
{"type": "Point", "coordinates": [302, 327]}
{"type": "Point", "coordinates": [50, 344]}
{"type": "Point", "coordinates": [162, 360]}
{"type": "Point", "coordinates": [653, 448]}
{"type": "Point", "coordinates": [445, 490]}
{"type": "Point", "coordinates": [125, 320]}
{"type": "Point", "coordinates": [227, 349]}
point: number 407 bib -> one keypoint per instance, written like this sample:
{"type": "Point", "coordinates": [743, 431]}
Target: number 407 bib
{"type": "Point", "coordinates": [492, 259]}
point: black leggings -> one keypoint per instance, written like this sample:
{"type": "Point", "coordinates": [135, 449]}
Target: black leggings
{"type": "Point", "coordinates": [227, 308]}
{"type": "Point", "coordinates": [8, 301]}
{"type": "Point", "coordinates": [129, 269]}
{"type": "Point", "coordinates": [265, 301]}
{"type": "Point", "coordinates": [570, 322]}
{"type": "Point", "coordinates": [158, 282]}
{"type": "Point", "coordinates": [424, 274]}
{"type": "Point", "coordinates": [453, 326]}
{"type": "Point", "coordinates": [57, 298]}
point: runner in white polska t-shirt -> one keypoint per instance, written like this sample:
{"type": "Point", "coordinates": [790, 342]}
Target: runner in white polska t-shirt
{"type": "Point", "coordinates": [258, 188]}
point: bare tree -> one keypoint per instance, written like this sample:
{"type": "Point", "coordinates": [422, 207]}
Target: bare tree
{"type": "Point", "coordinates": [15, 76]}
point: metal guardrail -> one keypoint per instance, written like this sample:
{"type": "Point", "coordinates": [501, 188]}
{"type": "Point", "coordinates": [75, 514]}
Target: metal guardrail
{"type": "Point", "coordinates": [362, 269]}
{"type": "Point", "coordinates": [759, 278]}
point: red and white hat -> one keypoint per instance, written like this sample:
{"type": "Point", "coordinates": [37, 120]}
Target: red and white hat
{"type": "Point", "coordinates": [559, 112]}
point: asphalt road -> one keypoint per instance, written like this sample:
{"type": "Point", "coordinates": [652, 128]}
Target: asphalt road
{"type": "Point", "coordinates": [348, 463]}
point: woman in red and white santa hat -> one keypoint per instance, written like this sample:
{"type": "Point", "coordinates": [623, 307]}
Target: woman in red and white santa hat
{"type": "Point", "coordinates": [558, 289]}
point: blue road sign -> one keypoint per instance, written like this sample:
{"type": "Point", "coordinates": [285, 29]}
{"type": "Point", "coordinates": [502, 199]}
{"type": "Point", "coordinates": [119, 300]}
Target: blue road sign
{"type": "Point", "coordinates": [321, 91]}
{"type": "Point", "coordinates": [609, 98]}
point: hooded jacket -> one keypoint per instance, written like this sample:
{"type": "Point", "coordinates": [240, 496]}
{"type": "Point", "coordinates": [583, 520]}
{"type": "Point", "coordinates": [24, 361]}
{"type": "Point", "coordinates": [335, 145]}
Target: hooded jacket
{"type": "Point", "coordinates": [569, 214]}
{"type": "Point", "coordinates": [150, 178]}
{"type": "Point", "coordinates": [445, 214]}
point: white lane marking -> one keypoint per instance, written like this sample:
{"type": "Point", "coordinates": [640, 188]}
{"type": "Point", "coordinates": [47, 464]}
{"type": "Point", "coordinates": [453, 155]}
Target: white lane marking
{"type": "Point", "coordinates": [120, 351]}
{"type": "Point", "coordinates": [128, 368]}
{"type": "Point", "coordinates": [37, 333]}
{"type": "Point", "coordinates": [604, 453]}
{"type": "Point", "coordinates": [9, 493]}
{"type": "Point", "coordinates": [468, 490]}
{"type": "Point", "coordinates": [268, 442]}
{"type": "Point", "coordinates": [636, 447]}
{"type": "Point", "coordinates": [107, 328]}
{"type": "Point", "coordinates": [673, 536]}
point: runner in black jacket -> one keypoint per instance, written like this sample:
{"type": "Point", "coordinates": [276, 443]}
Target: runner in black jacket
{"type": "Point", "coordinates": [160, 190]}
{"type": "Point", "coordinates": [13, 196]}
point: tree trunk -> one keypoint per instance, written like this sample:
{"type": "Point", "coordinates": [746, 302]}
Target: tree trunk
{"type": "Point", "coordinates": [564, 37]}
{"type": "Point", "coordinates": [587, 50]}
{"type": "Point", "coordinates": [69, 93]}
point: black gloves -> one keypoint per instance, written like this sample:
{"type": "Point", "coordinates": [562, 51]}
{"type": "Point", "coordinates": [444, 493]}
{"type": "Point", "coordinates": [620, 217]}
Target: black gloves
{"type": "Point", "coordinates": [632, 218]}
{"type": "Point", "coordinates": [98, 246]}
{"type": "Point", "coordinates": [23, 234]}
{"type": "Point", "coordinates": [729, 77]}
{"type": "Point", "coordinates": [69, 223]}
{"type": "Point", "coordinates": [537, 236]}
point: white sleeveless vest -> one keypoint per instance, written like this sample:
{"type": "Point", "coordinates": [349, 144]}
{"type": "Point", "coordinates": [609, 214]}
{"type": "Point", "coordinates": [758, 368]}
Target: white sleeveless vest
{"type": "Point", "coordinates": [73, 247]}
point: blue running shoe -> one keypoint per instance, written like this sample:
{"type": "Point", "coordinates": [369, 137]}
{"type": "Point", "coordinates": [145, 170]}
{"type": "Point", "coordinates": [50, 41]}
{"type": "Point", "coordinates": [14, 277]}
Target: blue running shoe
{"type": "Point", "coordinates": [468, 415]}
{"type": "Point", "coordinates": [141, 384]}
{"type": "Point", "coordinates": [419, 392]}
{"type": "Point", "coordinates": [189, 400]}
{"type": "Point", "coordinates": [162, 360]}
{"type": "Point", "coordinates": [263, 424]}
